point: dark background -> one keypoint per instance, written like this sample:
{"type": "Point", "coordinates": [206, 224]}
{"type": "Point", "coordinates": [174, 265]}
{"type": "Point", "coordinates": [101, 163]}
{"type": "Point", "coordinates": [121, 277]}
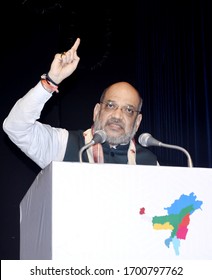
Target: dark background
{"type": "Point", "coordinates": [164, 48]}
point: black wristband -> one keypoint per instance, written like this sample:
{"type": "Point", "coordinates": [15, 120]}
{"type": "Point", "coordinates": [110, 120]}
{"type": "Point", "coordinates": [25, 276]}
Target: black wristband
{"type": "Point", "coordinates": [51, 81]}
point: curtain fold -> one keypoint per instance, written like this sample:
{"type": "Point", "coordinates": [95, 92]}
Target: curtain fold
{"type": "Point", "coordinates": [174, 76]}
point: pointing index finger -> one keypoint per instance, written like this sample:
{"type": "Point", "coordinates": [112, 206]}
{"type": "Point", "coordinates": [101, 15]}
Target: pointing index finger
{"type": "Point", "coordinates": [76, 44]}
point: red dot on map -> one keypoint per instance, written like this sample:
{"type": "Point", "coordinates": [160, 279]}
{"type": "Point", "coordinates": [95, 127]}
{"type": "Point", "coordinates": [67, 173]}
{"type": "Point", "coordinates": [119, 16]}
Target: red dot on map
{"type": "Point", "coordinates": [142, 211]}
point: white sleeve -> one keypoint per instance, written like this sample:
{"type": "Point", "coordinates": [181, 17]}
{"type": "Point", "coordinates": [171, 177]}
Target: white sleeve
{"type": "Point", "coordinates": [40, 142]}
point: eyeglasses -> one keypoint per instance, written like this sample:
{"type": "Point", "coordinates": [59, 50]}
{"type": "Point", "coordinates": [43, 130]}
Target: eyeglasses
{"type": "Point", "coordinates": [111, 106]}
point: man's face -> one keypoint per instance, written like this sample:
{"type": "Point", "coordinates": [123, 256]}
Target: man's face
{"type": "Point", "coordinates": [117, 114]}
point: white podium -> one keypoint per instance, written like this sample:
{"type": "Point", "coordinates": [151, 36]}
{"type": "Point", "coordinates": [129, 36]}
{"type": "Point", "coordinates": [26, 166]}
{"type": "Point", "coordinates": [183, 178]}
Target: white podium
{"type": "Point", "coordinates": [82, 211]}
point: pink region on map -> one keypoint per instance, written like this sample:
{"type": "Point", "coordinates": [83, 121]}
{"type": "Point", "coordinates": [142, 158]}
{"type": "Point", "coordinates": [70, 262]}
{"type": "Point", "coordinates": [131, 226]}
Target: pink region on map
{"type": "Point", "coordinates": [183, 229]}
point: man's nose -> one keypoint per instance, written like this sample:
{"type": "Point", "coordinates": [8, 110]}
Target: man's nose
{"type": "Point", "coordinates": [118, 113]}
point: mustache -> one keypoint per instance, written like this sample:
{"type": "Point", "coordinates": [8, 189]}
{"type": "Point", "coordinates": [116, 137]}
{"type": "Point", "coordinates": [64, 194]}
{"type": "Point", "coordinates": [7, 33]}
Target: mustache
{"type": "Point", "coordinates": [115, 121]}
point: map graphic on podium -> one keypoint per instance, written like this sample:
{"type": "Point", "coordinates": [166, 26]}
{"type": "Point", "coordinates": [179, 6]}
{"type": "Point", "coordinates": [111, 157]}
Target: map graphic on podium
{"type": "Point", "coordinates": [177, 219]}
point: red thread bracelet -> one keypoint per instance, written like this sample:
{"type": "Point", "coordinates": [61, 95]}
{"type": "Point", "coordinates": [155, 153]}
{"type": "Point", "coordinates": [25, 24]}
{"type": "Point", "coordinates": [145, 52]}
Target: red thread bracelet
{"type": "Point", "coordinates": [48, 85]}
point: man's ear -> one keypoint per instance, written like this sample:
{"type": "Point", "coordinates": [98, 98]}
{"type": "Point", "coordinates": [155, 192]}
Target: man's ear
{"type": "Point", "coordinates": [96, 111]}
{"type": "Point", "coordinates": [138, 121]}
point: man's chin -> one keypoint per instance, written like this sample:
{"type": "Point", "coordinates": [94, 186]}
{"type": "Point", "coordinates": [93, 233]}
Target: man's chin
{"type": "Point", "coordinates": [114, 134]}
{"type": "Point", "coordinates": [114, 139]}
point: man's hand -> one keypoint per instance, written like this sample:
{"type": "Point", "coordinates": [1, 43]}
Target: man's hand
{"type": "Point", "coordinates": [64, 64]}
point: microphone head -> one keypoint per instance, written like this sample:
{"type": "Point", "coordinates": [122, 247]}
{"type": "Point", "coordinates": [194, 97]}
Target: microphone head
{"type": "Point", "coordinates": [99, 136]}
{"type": "Point", "coordinates": [143, 139]}
{"type": "Point", "coordinates": [146, 140]}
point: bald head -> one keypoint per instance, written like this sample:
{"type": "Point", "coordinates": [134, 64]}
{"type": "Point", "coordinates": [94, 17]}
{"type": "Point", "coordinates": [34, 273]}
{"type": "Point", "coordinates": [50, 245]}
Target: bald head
{"type": "Point", "coordinates": [124, 91]}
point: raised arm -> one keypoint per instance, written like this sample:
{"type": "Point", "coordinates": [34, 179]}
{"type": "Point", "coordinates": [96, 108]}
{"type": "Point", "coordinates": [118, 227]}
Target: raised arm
{"type": "Point", "coordinates": [40, 142]}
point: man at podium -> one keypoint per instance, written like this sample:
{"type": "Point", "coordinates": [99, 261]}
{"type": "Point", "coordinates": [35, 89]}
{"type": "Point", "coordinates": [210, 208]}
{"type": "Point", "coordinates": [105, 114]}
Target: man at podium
{"type": "Point", "coordinates": [110, 139]}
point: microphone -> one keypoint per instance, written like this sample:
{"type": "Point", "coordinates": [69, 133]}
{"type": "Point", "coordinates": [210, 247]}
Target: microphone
{"type": "Point", "coordinates": [146, 140]}
{"type": "Point", "coordinates": [98, 137]}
